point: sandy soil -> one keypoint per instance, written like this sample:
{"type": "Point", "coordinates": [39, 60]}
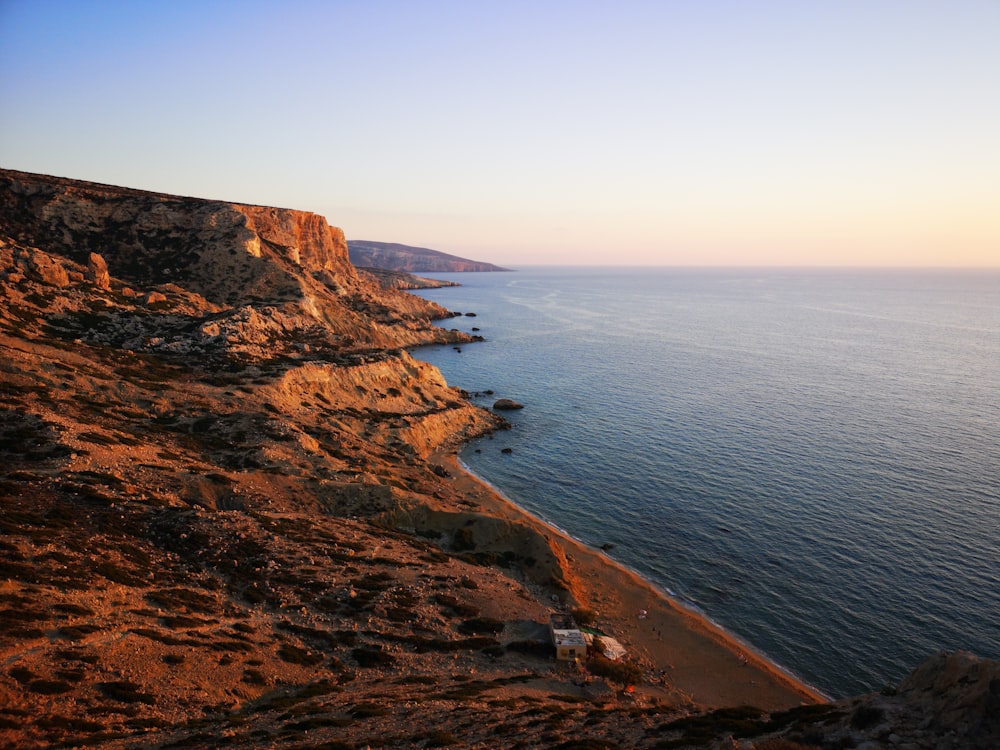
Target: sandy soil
{"type": "Point", "coordinates": [688, 654]}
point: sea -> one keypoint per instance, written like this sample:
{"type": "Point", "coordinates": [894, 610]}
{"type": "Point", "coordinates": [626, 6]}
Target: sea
{"type": "Point", "coordinates": [810, 458]}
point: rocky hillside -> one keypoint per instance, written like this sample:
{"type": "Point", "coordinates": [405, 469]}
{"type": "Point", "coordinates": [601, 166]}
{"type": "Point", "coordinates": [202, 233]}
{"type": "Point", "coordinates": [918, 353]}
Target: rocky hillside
{"type": "Point", "coordinates": [401, 280]}
{"type": "Point", "coordinates": [228, 514]}
{"type": "Point", "coordinates": [395, 257]}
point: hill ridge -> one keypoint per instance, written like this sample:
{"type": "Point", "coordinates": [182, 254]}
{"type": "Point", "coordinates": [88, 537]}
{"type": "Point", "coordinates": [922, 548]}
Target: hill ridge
{"type": "Point", "coordinates": [394, 256]}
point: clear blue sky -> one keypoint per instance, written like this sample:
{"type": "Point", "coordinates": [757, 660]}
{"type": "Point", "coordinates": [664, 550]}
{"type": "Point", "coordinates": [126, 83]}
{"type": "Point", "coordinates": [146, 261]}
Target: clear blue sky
{"type": "Point", "coordinates": [697, 132]}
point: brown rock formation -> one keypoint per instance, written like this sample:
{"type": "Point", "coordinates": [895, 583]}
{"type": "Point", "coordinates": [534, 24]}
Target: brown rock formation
{"type": "Point", "coordinates": [507, 404]}
{"type": "Point", "coordinates": [401, 280]}
{"type": "Point", "coordinates": [206, 423]}
{"type": "Point", "coordinates": [230, 254]}
{"type": "Point", "coordinates": [97, 272]}
{"type": "Point", "coordinates": [230, 512]}
{"type": "Point", "coordinates": [950, 702]}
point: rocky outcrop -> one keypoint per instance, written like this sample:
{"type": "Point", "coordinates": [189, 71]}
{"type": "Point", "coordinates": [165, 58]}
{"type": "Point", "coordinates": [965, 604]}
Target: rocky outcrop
{"type": "Point", "coordinates": [388, 279]}
{"type": "Point", "coordinates": [396, 257]}
{"type": "Point", "coordinates": [281, 277]}
{"type": "Point", "coordinates": [950, 702]}
{"type": "Point", "coordinates": [955, 697]}
{"type": "Point", "coordinates": [229, 512]}
{"type": "Point", "coordinates": [224, 251]}
{"type": "Point", "coordinates": [97, 272]}
{"type": "Point", "coordinates": [507, 404]}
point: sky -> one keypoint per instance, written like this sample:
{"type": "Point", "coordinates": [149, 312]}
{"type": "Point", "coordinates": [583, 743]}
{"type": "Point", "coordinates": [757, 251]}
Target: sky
{"type": "Point", "coordinates": [696, 132]}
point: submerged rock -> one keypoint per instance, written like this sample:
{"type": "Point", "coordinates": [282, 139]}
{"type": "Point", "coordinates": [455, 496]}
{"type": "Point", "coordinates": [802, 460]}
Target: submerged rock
{"type": "Point", "coordinates": [506, 404]}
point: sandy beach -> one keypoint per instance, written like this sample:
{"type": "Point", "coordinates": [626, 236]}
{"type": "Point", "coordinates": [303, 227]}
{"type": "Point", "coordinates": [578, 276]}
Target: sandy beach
{"type": "Point", "coordinates": [686, 657]}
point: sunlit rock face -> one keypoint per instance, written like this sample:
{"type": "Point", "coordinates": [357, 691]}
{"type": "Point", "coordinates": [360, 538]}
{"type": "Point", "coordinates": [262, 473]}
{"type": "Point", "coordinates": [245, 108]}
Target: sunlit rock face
{"type": "Point", "coordinates": [224, 251]}
{"type": "Point", "coordinates": [270, 270]}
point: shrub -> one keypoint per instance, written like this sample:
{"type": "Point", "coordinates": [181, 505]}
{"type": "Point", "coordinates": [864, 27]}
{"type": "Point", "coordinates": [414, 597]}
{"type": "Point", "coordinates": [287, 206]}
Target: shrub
{"type": "Point", "coordinates": [480, 626]}
{"type": "Point", "coordinates": [73, 609]}
{"type": "Point", "coordinates": [70, 675]}
{"type": "Point", "coordinates": [254, 677]}
{"type": "Point", "coordinates": [49, 687]}
{"type": "Point", "coordinates": [373, 582]}
{"type": "Point", "coordinates": [184, 621]}
{"type": "Point", "coordinates": [369, 710]}
{"type": "Point", "coordinates": [295, 655]}
{"type": "Point", "coordinates": [621, 672]}
{"type": "Point", "coordinates": [372, 657]}
{"type": "Point", "coordinates": [439, 738]}
{"type": "Point", "coordinates": [22, 675]}
{"type": "Point", "coordinates": [182, 599]}
{"type": "Point", "coordinates": [459, 608]}
{"type": "Point", "coordinates": [866, 717]}
{"type": "Point", "coordinates": [126, 692]}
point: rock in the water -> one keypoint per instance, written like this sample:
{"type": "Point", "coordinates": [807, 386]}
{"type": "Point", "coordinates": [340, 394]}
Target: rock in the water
{"type": "Point", "coordinates": [506, 404]}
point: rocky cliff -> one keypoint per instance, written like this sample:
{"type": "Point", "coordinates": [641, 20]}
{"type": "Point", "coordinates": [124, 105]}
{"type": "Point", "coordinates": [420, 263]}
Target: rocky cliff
{"type": "Point", "coordinates": [269, 270]}
{"type": "Point", "coordinates": [950, 702]}
{"type": "Point", "coordinates": [227, 514]}
{"type": "Point", "coordinates": [395, 257]}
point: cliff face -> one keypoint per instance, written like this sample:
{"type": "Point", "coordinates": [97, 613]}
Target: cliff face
{"type": "Point", "coordinates": [230, 255]}
{"type": "Point", "coordinates": [207, 429]}
{"type": "Point", "coordinates": [226, 515]}
{"type": "Point", "coordinates": [224, 251]}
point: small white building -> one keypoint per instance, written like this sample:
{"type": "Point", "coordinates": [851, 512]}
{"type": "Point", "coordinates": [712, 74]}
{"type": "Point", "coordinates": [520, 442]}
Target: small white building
{"type": "Point", "coordinates": [567, 638]}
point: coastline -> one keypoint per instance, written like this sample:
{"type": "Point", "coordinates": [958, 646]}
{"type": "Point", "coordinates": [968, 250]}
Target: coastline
{"type": "Point", "coordinates": [689, 658]}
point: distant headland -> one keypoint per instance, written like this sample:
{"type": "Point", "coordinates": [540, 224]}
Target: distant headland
{"type": "Point", "coordinates": [395, 257]}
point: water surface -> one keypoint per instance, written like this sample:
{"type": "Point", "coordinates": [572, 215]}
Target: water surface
{"type": "Point", "coordinates": [810, 457]}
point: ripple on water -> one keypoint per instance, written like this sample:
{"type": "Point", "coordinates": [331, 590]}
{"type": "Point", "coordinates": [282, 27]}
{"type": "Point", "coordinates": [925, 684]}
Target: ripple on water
{"type": "Point", "coordinates": [809, 457]}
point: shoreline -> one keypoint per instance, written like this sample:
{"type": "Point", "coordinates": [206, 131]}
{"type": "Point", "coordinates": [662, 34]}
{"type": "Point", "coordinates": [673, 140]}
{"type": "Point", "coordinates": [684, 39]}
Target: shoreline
{"type": "Point", "coordinates": [689, 657]}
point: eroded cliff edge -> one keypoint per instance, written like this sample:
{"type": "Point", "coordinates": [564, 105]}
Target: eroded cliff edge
{"type": "Point", "coordinates": [223, 515]}
{"type": "Point", "coordinates": [180, 379]}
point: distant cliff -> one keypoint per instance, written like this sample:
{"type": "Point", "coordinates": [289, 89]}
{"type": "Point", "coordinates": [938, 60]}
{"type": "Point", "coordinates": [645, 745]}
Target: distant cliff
{"type": "Point", "coordinates": [233, 257]}
{"type": "Point", "coordinates": [396, 257]}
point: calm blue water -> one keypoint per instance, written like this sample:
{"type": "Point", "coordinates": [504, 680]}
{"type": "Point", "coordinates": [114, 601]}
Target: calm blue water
{"type": "Point", "coordinates": [809, 457]}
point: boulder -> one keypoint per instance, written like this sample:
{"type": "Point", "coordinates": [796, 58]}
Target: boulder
{"type": "Point", "coordinates": [506, 404]}
{"type": "Point", "coordinates": [97, 272]}
{"type": "Point", "coordinates": [41, 267]}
